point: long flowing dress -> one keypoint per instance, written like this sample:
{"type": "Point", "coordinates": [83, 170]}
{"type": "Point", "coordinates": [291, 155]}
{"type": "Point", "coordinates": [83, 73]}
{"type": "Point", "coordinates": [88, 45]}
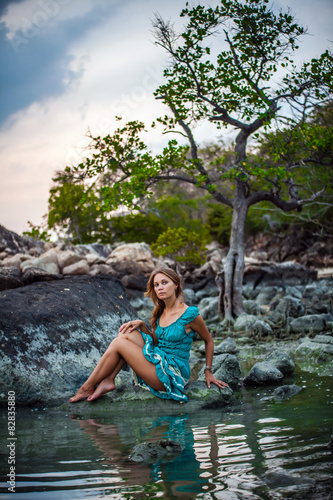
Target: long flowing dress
{"type": "Point", "coordinates": [171, 355]}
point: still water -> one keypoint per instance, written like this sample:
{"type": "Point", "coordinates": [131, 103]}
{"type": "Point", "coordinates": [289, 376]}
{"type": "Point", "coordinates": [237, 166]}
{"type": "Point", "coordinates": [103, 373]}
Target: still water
{"type": "Point", "coordinates": [263, 450]}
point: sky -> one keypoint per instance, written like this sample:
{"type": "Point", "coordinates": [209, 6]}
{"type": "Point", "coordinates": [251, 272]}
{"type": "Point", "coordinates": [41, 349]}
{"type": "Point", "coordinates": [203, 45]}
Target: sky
{"type": "Point", "coordinates": [72, 65]}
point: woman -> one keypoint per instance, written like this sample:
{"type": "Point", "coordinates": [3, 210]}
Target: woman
{"type": "Point", "coordinates": [159, 358]}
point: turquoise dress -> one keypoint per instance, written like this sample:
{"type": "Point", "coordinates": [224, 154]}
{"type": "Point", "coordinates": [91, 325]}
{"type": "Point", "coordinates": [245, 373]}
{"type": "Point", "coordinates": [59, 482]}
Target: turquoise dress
{"type": "Point", "coordinates": [171, 355]}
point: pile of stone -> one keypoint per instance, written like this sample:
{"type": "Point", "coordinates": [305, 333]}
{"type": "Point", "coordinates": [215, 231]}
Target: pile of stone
{"type": "Point", "coordinates": [84, 259]}
{"type": "Point", "coordinates": [279, 299]}
{"type": "Point", "coordinates": [287, 296]}
{"type": "Point", "coordinates": [23, 261]}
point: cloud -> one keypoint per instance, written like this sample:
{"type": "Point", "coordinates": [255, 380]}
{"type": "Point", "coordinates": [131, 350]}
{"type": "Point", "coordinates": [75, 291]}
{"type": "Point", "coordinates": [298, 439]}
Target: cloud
{"type": "Point", "coordinates": [90, 62]}
{"type": "Point", "coordinates": [103, 75]}
{"type": "Point", "coordinates": [28, 17]}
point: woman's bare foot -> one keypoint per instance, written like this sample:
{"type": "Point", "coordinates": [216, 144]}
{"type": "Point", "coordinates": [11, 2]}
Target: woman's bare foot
{"type": "Point", "coordinates": [104, 387]}
{"type": "Point", "coordinates": [82, 393]}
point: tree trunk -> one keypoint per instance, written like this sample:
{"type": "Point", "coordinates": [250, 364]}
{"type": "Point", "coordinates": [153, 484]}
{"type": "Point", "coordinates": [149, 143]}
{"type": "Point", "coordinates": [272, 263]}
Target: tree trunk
{"type": "Point", "coordinates": [234, 264]}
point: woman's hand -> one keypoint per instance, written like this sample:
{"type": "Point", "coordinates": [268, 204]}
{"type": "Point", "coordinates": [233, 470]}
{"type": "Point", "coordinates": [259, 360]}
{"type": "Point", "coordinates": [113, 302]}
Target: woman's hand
{"type": "Point", "coordinates": [211, 379]}
{"type": "Point", "coordinates": [130, 326]}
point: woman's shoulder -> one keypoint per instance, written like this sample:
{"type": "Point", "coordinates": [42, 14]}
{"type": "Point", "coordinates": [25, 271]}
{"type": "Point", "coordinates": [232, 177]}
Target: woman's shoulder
{"type": "Point", "coordinates": [190, 313]}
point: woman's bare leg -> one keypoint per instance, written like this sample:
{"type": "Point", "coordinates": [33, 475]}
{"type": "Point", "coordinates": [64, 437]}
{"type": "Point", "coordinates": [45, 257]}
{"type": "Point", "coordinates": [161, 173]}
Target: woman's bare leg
{"type": "Point", "coordinates": [86, 389]}
{"type": "Point", "coordinates": [108, 383]}
{"type": "Point", "coordinates": [121, 350]}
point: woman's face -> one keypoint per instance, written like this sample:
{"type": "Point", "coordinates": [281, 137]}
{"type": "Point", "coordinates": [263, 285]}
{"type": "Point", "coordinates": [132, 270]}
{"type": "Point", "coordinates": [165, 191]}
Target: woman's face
{"type": "Point", "coordinates": [164, 287]}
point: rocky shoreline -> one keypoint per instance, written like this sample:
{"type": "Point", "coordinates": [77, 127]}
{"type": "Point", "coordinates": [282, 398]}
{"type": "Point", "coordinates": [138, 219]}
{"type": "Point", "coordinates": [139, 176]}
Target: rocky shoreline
{"type": "Point", "coordinates": [61, 306]}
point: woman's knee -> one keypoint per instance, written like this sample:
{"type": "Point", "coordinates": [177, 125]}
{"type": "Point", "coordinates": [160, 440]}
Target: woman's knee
{"type": "Point", "coordinates": [113, 344]}
{"type": "Point", "coordinates": [117, 342]}
{"type": "Point", "coordinates": [134, 336]}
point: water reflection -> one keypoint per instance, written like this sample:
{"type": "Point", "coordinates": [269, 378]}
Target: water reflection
{"type": "Point", "coordinates": [178, 477]}
{"type": "Point", "coordinates": [107, 440]}
{"type": "Point", "coordinates": [262, 451]}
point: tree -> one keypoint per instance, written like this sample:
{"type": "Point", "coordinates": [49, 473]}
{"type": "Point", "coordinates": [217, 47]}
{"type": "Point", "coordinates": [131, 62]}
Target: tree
{"type": "Point", "coordinates": [74, 209]}
{"type": "Point", "coordinates": [238, 90]}
{"type": "Point", "coordinates": [184, 246]}
{"type": "Point", "coordinates": [234, 89]}
{"type": "Point", "coordinates": [307, 148]}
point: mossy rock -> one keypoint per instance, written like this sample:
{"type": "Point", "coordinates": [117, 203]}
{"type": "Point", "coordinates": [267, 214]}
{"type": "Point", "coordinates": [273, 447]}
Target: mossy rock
{"type": "Point", "coordinates": [138, 400]}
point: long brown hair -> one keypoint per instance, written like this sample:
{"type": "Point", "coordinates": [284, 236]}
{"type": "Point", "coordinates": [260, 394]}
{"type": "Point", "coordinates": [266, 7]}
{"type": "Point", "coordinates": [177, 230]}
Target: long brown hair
{"type": "Point", "coordinates": [159, 304]}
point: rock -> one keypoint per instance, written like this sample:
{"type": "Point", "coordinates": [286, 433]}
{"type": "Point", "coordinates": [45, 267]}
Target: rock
{"type": "Point", "coordinates": [266, 295]}
{"type": "Point", "coordinates": [260, 276]}
{"type": "Point", "coordinates": [286, 391]}
{"type": "Point", "coordinates": [9, 278]}
{"type": "Point", "coordinates": [290, 273]}
{"type": "Point", "coordinates": [102, 269]}
{"type": "Point", "coordinates": [149, 453]}
{"type": "Point", "coordinates": [208, 307]}
{"type": "Point", "coordinates": [227, 345]}
{"type": "Point", "coordinates": [319, 305]}
{"type": "Point", "coordinates": [52, 334]}
{"type": "Point", "coordinates": [48, 267]}
{"type": "Point", "coordinates": [263, 373]}
{"type": "Point", "coordinates": [143, 306]}
{"type": "Point", "coordinates": [252, 324]}
{"type": "Point", "coordinates": [318, 296]}
{"type": "Point", "coordinates": [68, 258]}
{"type": "Point", "coordinates": [94, 258]}
{"type": "Point", "coordinates": [282, 361]}
{"type": "Point", "coordinates": [135, 282]}
{"type": "Point", "coordinates": [97, 248]}
{"type": "Point", "coordinates": [251, 307]}
{"type": "Point", "coordinates": [199, 398]}
{"type": "Point", "coordinates": [227, 368]}
{"type": "Point", "coordinates": [17, 244]}
{"type": "Point", "coordinates": [48, 262]}
{"type": "Point", "coordinates": [79, 268]}
{"type": "Point", "coordinates": [209, 270]}
{"type": "Point", "coordinates": [323, 339]}
{"type": "Point", "coordinates": [15, 260]}
{"type": "Point", "coordinates": [308, 324]}
{"type": "Point", "coordinates": [313, 356]}
{"type": "Point", "coordinates": [34, 275]}
{"type": "Point", "coordinates": [286, 307]}
{"type": "Point", "coordinates": [209, 290]}
{"type": "Point", "coordinates": [132, 258]}
{"type": "Point", "coordinates": [51, 256]}
{"type": "Point", "coordinates": [190, 297]}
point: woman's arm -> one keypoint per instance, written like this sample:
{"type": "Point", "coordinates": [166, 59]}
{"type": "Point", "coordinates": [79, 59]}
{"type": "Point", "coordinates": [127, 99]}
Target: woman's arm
{"type": "Point", "coordinates": [199, 326]}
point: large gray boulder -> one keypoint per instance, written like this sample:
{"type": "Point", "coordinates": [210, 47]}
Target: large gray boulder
{"type": "Point", "coordinates": [252, 324]}
{"type": "Point", "coordinates": [52, 334]}
{"type": "Point", "coordinates": [316, 355]}
{"type": "Point", "coordinates": [287, 307]}
{"type": "Point", "coordinates": [282, 361]}
{"type": "Point", "coordinates": [227, 345]}
{"type": "Point", "coordinates": [311, 323]}
{"type": "Point", "coordinates": [208, 307]}
{"type": "Point", "coordinates": [132, 258]}
{"type": "Point", "coordinates": [227, 368]}
{"type": "Point", "coordinates": [263, 373]}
